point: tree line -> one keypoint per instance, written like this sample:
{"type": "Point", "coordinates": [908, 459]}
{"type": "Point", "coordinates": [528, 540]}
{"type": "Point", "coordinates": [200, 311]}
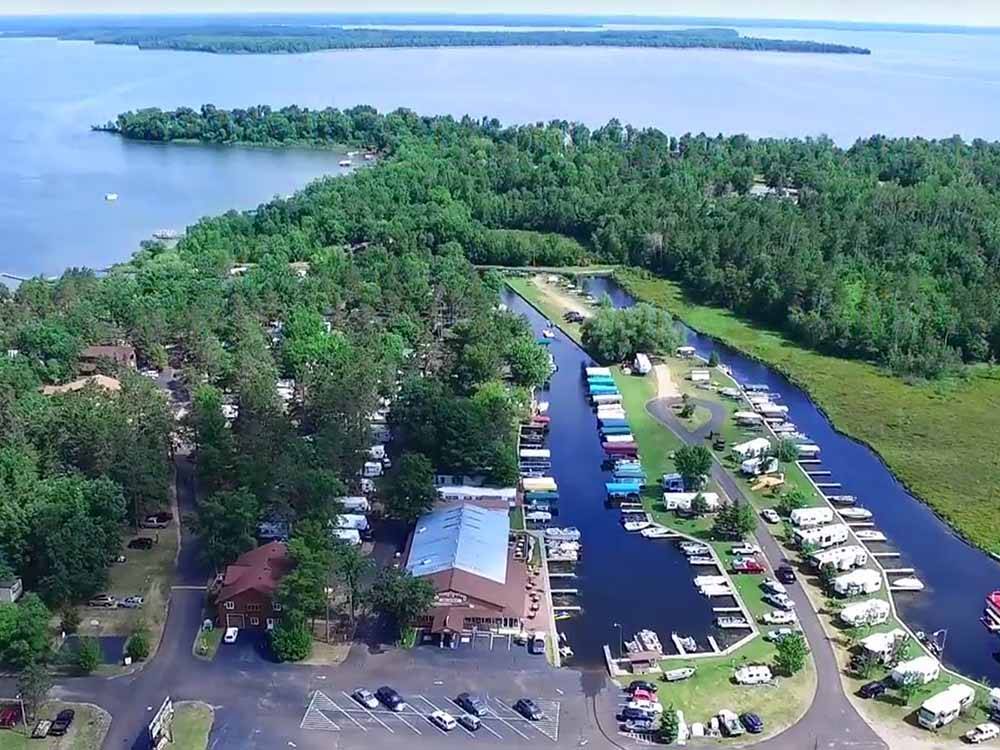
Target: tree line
{"type": "Point", "coordinates": [885, 251]}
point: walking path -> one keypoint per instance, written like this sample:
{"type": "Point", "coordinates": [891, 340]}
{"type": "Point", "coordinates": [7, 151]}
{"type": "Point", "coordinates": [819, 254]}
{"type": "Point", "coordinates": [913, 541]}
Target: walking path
{"type": "Point", "coordinates": [831, 721]}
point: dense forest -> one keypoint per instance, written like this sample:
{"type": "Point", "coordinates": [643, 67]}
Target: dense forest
{"type": "Point", "coordinates": [887, 251]}
{"type": "Point", "coordinates": [366, 319]}
{"type": "Point", "coordinates": [242, 38]}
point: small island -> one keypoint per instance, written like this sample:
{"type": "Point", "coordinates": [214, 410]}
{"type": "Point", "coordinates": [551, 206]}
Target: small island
{"type": "Point", "coordinates": [268, 38]}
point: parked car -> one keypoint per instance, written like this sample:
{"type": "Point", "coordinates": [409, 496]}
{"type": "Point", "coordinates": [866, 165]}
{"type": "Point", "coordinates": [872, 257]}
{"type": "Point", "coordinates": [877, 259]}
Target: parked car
{"type": "Point", "coordinates": [131, 602]}
{"type": "Point", "coordinates": [537, 643]}
{"type": "Point", "coordinates": [41, 730]}
{"type": "Point", "coordinates": [643, 695]}
{"type": "Point", "coordinates": [141, 542]}
{"type": "Point", "coordinates": [103, 600]}
{"type": "Point", "coordinates": [64, 719]}
{"type": "Point", "coordinates": [781, 601]}
{"type": "Point", "coordinates": [773, 586]}
{"type": "Point", "coordinates": [873, 689]}
{"type": "Point", "coordinates": [640, 725]}
{"type": "Point", "coordinates": [9, 716]}
{"type": "Point", "coordinates": [777, 617]}
{"type": "Point", "coordinates": [390, 699]}
{"type": "Point", "coordinates": [443, 720]}
{"type": "Point", "coordinates": [163, 516]}
{"type": "Point", "coordinates": [651, 706]}
{"type": "Point", "coordinates": [470, 722]}
{"type": "Point", "coordinates": [982, 733]}
{"type": "Point", "coordinates": [637, 714]}
{"type": "Point", "coordinates": [785, 574]}
{"type": "Point", "coordinates": [770, 515]}
{"type": "Point", "coordinates": [774, 636]}
{"type": "Point", "coordinates": [528, 709]}
{"type": "Point", "coordinates": [231, 635]}
{"type": "Point", "coordinates": [650, 687]}
{"type": "Point", "coordinates": [365, 697]}
{"type": "Point", "coordinates": [472, 704]}
{"type": "Point", "coordinates": [747, 565]}
{"type": "Point", "coordinates": [753, 723]}
{"type": "Point", "coordinates": [730, 722]}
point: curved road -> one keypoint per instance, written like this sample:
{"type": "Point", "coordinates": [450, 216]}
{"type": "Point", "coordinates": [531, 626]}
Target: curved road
{"type": "Point", "coordinates": [831, 720]}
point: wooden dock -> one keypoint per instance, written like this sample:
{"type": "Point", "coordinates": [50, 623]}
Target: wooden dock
{"type": "Point", "coordinates": [562, 575]}
{"type": "Point", "coordinates": [808, 461]}
{"type": "Point", "coordinates": [861, 524]}
{"type": "Point", "coordinates": [714, 645]}
{"type": "Point", "coordinates": [885, 554]}
{"type": "Point", "coordinates": [571, 592]}
{"type": "Point", "coordinates": [899, 571]}
{"type": "Point", "coordinates": [727, 609]}
{"type": "Point", "coordinates": [828, 485]}
{"type": "Point", "coordinates": [818, 472]}
{"type": "Point", "coordinates": [566, 608]}
{"type": "Point", "coordinates": [677, 644]}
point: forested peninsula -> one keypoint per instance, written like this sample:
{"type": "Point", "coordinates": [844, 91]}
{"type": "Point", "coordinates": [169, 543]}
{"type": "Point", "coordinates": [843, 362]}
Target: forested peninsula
{"type": "Point", "coordinates": [230, 38]}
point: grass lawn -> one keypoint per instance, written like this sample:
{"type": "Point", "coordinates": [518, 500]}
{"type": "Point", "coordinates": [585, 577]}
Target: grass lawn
{"type": "Point", "coordinates": [192, 725]}
{"type": "Point", "coordinates": [550, 308]}
{"type": "Point", "coordinates": [206, 643]}
{"type": "Point", "coordinates": [939, 438]}
{"type": "Point", "coordinates": [712, 689]}
{"type": "Point", "coordinates": [87, 731]}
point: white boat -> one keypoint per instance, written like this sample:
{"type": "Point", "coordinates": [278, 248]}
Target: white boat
{"type": "Point", "coordinates": [369, 157]}
{"type": "Point", "coordinates": [568, 533]}
{"type": "Point", "coordinates": [563, 555]}
{"type": "Point", "coordinates": [732, 623]}
{"type": "Point", "coordinates": [676, 675]}
{"type": "Point", "coordinates": [637, 525]}
{"type": "Point", "coordinates": [565, 652]}
{"type": "Point", "coordinates": [656, 532]}
{"type": "Point", "coordinates": [701, 560]}
{"type": "Point", "coordinates": [710, 580]}
{"type": "Point", "coordinates": [111, 197]}
{"type": "Point", "coordinates": [907, 584]}
{"type": "Point", "coordinates": [564, 546]}
{"type": "Point", "coordinates": [548, 333]}
{"type": "Point", "coordinates": [693, 548]}
{"type": "Point", "coordinates": [855, 514]}
{"type": "Point", "coordinates": [869, 535]}
{"type": "Point", "coordinates": [716, 589]}
{"type": "Point", "coordinates": [842, 499]}
{"type": "Point", "coordinates": [686, 642]}
{"type": "Point", "coordinates": [539, 516]}
{"type": "Point", "coordinates": [344, 163]}
{"type": "Point", "coordinates": [649, 641]}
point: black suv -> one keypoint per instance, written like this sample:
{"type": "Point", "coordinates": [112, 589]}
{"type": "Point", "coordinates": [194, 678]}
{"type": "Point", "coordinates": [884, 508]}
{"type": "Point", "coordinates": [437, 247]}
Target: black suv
{"type": "Point", "coordinates": [390, 698]}
{"type": "Point", "coordinates": [141, 542]}
{"type": "Point", "coordinates": [873, 689]}
{"type": "Point", "coordinates": [528, 709]}
{"type": "Point", "coordinates": [62, 723]}
{"type": "Point", "coordinates": [785, 574]}
{"type": "Point", "coordinates": [472, 704]}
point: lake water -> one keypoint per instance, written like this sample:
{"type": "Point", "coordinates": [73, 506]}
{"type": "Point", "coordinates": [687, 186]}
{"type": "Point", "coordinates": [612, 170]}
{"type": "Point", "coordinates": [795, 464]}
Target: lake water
{"type": "Point", "coordinates": [957, 575]}
{"type": "Point", "coordinates": [54, 172]}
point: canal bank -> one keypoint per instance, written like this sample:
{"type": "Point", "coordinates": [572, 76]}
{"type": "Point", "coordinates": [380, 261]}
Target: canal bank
{"type": "Point", "coordinates": [957, 575]}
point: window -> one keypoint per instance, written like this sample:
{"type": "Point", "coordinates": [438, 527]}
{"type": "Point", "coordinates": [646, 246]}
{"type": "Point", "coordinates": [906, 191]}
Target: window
{"type": "Point", "coordinates": [255, 621]}
{"type": "Point", "coordinates": [229, 605]}
{"type": "Point", "coordinates": [276, 607]}
{"type": "Point", "coordinates": [253, 608]}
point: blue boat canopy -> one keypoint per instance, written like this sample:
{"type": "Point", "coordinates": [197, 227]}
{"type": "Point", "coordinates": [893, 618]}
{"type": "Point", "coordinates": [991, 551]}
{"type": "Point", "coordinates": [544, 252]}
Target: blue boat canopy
{"type": "Point", "coordinates": [623, 488]}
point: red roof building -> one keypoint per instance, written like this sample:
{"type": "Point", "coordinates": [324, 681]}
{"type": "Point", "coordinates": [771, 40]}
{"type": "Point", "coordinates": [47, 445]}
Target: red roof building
{"type": "Point", "coordinates": [246, 595]}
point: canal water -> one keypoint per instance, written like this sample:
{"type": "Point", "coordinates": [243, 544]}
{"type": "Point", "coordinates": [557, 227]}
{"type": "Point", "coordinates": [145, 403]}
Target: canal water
{"type": "Point", "coordinates": [622, 577]}
{"type": "Point", "coordinates": [958, 576]}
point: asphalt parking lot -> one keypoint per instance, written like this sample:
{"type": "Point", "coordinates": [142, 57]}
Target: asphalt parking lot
{"type": "Point", "coordinates": [335, 711]}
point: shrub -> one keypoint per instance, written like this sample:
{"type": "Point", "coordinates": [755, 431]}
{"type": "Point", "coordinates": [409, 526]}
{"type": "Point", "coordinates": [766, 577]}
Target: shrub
{"type": "Point", "coordinates": [88, 656]}
{"type": "Point", "coordinates": [138, 645]}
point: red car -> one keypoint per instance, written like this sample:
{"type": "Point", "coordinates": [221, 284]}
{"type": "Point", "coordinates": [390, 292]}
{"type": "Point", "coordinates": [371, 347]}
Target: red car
{"type": "Point", "coordinates": [9, 716]}
{"type": "Point", "coordinates": [747, 565]}
{"type": "Point", "coordinates": [643, 695]}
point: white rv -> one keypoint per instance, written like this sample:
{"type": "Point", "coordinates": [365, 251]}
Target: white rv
{"type": "Point", "coordinates": [822, 536]}
{"type": "Point", "coordinates": [871, 612]}
{"type": "Point", "coordinates": [752, 448]}
{"type": "Point", "coordinates": [943, 708]}
{"type": "Point", "coordinates": [683, 500]}
{"type": "Point", "coordinates": [354, 521]}
{"type": "Point", "coordinates": [355, 504]}
{"type": "Point", "coordinates": [372, 469]}
{"type": "Point", "coordinates": [642, 364]}
{"type": "Point", "coordinates": [807, 517]}
{"type": "Point", "coordinates": [862, 581]}
{"type": "Point", "coordinates": [881, 645]}
{"type": "Point", "coordinates": [926, 668]}
{"type": "Point", "coordinates": [840, 558]}
{"type": "Point", "coordinates": [700, 376]}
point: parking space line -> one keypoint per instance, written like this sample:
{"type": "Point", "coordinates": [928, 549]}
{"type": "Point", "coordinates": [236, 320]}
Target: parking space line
{"type": "Point", "coordinates": [435, 708]}
{"type": "Point", "coordinates": [536, 724]}
{"type": "Point", "coordinates": [360, 726]}
{"type": "Point", "coordinates": [399, 716]}
{"type": "Point", "coordinates": [365, 709]}
{"type": "Point", "coordinates": [502, 719]}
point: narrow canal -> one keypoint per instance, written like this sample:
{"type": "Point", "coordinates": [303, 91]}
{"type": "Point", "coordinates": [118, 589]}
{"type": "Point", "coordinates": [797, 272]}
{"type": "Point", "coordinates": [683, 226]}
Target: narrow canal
{"type": "Point", "coordinates": [958, 576]}
{"type": "Point", "coordinates": [622, 577]}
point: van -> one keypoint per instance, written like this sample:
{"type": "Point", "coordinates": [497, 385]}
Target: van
{"type": "Point", "coordinates": [943, 708]}
{"type": "Point", "coordinates": [537, 643]}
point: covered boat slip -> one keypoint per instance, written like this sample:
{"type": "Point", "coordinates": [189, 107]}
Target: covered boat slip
{"type": "Point", "coordinates": [613, 429]}
{"type": "Point", "coordinates": [612, 422]}
{"type": "Point", "coordinates": [542, 454]}
{"type": "Point", "coordinates": [624, 490]}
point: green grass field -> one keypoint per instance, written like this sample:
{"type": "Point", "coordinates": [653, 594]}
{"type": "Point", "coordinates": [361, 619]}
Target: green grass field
{"type": "Point", "coordinates": [192, 725]}
{"type": "Point", "coordinates": [939, 438]}
{"type": "Point", "coordinates": [87, 731]}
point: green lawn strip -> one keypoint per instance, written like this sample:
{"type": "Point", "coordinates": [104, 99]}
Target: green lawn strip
{"type": "Point", "coordinates": [192, 725]}
{"type": "Point", "coordinates": [713, 689]}
{"type": "Point", "coordinates": [517, 518]}
{"type": "Point", "coordinates": [206, 643]}
{"type": "Point", "coordinates": [87, 731]}
{"type": "Point", "coordinates": [939, 438]}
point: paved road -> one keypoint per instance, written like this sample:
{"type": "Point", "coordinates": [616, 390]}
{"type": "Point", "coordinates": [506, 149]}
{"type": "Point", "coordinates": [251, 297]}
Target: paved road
{"type": "Point", "coordinates": [831, 721]}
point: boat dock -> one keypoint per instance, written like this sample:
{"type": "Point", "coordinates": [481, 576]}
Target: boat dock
{"type": "Point", "coordinates": [566, 608]}
{"type": "Point", "coordinates": [570, 592]}
{"type": "Point", "coordinates": [818, 473]}
{"type": "Point", "coordinates": [861, 524]}
{"type": "Point", "coordinates": [828, 485]}
{"type": "Point", "coordinates": [899, 571]}
{"type": "Point", "coordinates": [714, 645]}
{"type": "Point", "coordinates": [727, 609]}
{"type": "Point", "coordinates": [677, 644]}
{"type": "Point", "coordinates": [562, 575]}
{"type": "Point", "coordinates": [808, 461]}
{"type": "Point", "coordinates": [884, 554]}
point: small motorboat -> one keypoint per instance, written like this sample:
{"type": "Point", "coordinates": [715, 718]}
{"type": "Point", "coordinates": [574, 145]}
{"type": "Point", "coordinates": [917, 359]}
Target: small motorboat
{"type": "Point", "coordinates": [693, 548]}
{"type": "Point", "coordinates": [907, 584]}
{"type": "Point", "coordinates": [565, 534]}
{"type": "Point", "coordinates": [111, 197]}
{"type": "Point", "coordinates": [344, 163]}
{"type": "Point", "coordinates": [565, 652]}
{"type": "Point", "coordinates": [538, 516]}
{"type": "Point", "coordinates": [686, 642]}
{"type": "Point", "coordinates": [563, 555]}
{"type": "Point", "coordinates": [732, 623]}
{"type": "Point", "coordinates": [561, 616]}
{"type": "Point", "coordinates": [869, 535]}
{"type": "Point", "coordinates": [701, 560]}
{"type": "Point", "coordinates": [656, 532]}
{"type": "Point", "coordinates": [842, 499]}
{"type": "Point", "coordinates": [549, 333]}
{"type": "Point", "coordinates": [676, 675]}
{"type": "Point", "coordinates": [564, 546]}
{"type": "Point", "coordinates": [637, 525]}
{"type": "Point", "coordinates": [855, 514]}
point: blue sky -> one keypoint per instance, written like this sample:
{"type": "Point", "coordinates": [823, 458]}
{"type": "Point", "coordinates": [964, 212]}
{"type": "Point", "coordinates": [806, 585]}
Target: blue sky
{"type": "Point", "coordinates": [962, 12]}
